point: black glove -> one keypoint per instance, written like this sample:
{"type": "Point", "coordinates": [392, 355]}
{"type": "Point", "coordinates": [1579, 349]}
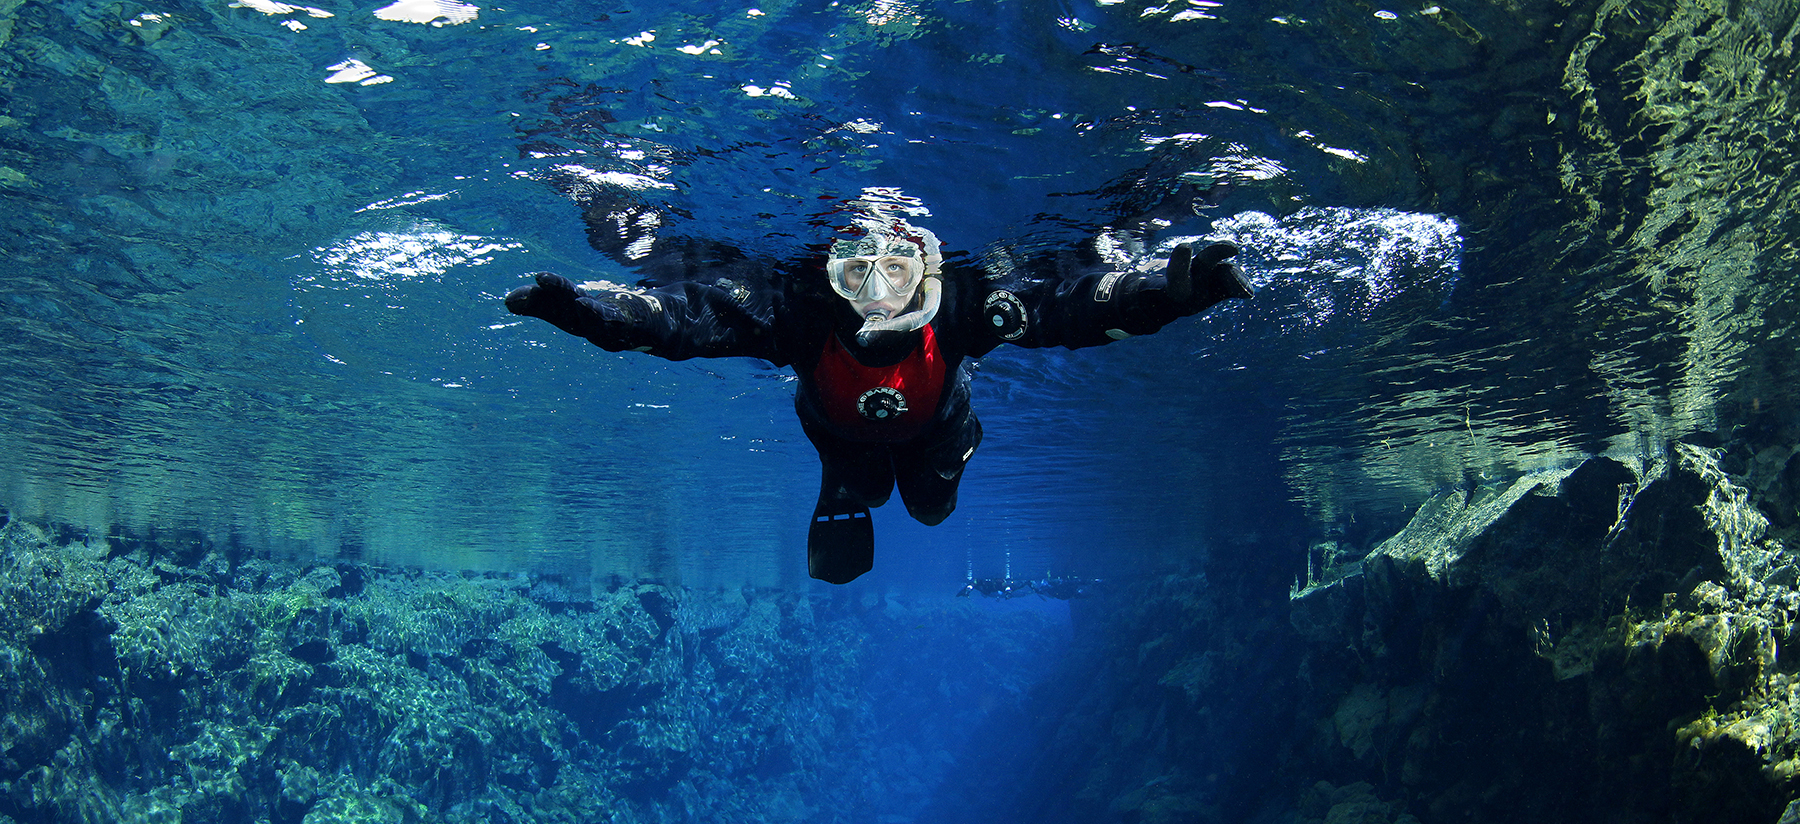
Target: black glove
{"type": "Point", "coordinates": [555, 299]}
{"type": "Point", "coordinates": [1199, 281]}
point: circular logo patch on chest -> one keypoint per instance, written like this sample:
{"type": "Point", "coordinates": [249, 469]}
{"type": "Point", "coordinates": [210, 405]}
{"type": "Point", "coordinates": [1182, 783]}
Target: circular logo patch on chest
{"type": "Point", "coordinates": [883, 403]}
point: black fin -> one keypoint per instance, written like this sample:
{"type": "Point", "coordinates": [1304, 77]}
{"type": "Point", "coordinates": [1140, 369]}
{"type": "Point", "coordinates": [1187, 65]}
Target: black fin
{"type": "Point", "coordinates": [841, 543]}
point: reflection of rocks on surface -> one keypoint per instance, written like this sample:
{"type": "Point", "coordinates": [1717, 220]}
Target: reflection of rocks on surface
{"type": "Point", "coordinates": [143, 684]}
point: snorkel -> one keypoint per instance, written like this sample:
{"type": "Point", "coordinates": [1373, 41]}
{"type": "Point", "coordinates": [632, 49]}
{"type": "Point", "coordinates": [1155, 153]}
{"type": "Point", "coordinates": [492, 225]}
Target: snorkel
{"type": "Point", "coordinates": [878, 324]}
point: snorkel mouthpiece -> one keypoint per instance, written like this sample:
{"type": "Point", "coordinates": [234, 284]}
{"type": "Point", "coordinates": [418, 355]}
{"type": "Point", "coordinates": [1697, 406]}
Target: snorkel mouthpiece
{"type": "Point", "coordinates": [878, 323]}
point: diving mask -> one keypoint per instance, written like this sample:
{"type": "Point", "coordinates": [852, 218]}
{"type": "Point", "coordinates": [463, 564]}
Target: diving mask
{"type": "Point", "coordinates": [875, 266]}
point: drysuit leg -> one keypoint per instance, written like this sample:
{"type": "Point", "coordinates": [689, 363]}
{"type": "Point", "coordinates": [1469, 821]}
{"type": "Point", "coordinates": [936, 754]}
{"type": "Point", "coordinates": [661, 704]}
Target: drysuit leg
{"type": "Point", "coordinates": [840, 543]}
{"type": "Point", "coordinates": [860, 473]}
{"type": "Point", "coordinates": [929, 473]}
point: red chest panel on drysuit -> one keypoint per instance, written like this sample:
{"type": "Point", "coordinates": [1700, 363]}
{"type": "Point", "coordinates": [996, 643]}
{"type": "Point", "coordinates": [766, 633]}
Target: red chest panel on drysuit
{"type": "Point", "coordinates": [860, 401]}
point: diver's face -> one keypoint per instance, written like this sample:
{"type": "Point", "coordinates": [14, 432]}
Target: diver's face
{"type": "Point", "coordinates": [881, 285]}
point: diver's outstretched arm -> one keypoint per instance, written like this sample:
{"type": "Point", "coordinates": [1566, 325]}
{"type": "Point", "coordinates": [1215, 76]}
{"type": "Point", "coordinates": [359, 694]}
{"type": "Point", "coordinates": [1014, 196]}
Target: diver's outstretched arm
{"type": "Point", "coordinates": [677, 322]}
{"type": "Point", "coordinates": [1103, 306]}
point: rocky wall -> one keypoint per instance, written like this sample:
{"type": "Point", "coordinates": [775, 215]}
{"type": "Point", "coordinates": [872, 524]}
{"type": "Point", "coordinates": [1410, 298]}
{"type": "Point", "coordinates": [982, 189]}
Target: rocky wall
{"type": "Point", "coordinates": [1611, 643]}
{"type": "Point", "coordinates": [1614, 632]}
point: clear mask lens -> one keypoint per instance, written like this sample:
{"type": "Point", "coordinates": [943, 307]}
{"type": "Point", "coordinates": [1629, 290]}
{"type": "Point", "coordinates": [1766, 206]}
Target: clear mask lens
{"type": "Point", "coordinates": [869, 278]}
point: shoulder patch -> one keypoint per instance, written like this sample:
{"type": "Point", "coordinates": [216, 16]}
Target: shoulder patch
{"type": "Point", "coordinates": [1005, 314]}
{"type": "Point", "coordinates": [1103, 291]}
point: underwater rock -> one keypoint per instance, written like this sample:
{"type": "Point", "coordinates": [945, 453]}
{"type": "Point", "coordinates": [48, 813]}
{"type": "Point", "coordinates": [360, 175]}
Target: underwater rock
{"type": "Point", "coordinates": [1634, 613]}
{"type": "Point", "coordinates": [139, 683]}
{"type": "Point", "coordinates": [1350, 804]}
{"type": "Point", "coordinates": [1617, 633]}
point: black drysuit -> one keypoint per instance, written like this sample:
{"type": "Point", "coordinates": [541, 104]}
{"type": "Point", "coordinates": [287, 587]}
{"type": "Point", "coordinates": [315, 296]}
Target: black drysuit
{"type": "Point", "coordinates": [896, 411]}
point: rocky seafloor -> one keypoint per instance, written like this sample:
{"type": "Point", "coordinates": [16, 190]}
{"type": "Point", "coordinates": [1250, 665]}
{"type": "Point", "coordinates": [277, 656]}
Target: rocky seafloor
{"type": "Point", "coordinates": [166, 680]}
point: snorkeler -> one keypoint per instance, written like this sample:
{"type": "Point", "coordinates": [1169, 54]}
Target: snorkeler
{"type": "Point", "coordinates": [880, 332]}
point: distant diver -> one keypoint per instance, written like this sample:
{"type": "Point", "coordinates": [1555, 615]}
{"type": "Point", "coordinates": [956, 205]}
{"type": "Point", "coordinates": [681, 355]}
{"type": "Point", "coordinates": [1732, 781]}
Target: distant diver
{"type": "Point", "coordinates": [880, 332]}
{"type": "Point", "coordinates": [1060, 587]}
{"type": "Point", "coordinates": [1003, 588]}
{"type": "Point", "coordinates": [1064, 587]}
